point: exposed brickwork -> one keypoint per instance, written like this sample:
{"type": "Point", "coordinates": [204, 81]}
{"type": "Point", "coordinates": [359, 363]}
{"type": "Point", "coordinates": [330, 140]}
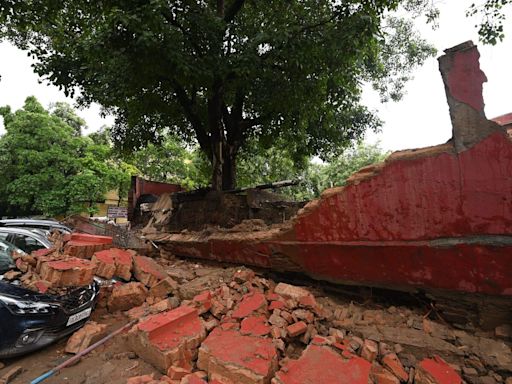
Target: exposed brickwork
{"type": "Point", "coordinates": [68, 273]}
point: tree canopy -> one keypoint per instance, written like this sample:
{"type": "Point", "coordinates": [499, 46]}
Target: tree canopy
{"type": "Point", "coordinates": [47, 168]}
{"type": "Point", "coordinates": [223, 72]}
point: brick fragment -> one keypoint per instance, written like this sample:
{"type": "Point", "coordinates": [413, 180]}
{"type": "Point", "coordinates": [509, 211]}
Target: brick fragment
{"type": "Point", "coordinates": [436, 371]}
{"type": "Point", "coordinates": [243, 275]}
{"type": "Point", "coordinates": [40, 286]}
{"type": "Point", "coordinates": [252, 302]}
{"type": "Point", "coordinates": [11, 275]}
{"type": "Point", "coordinates": [255, 326]}
{"type": "Point", "coordinates": [276, 305]}
{"type": "Point", "coordinates": [192, 379]}
{"type": "Point", "coordinates": [114, 262]}
{"type": "Point", "coordinates": [177, 373]}
{"type": "Point", "coordinates": [379, 375]}
{"type": "Point", "coordinates": [71, 272]}
{"type": "Point", "coordinates": [127, 296]}
{"type": "Point", "coordinates": [369, 350]}
{"type": "Point", "coordinates": [11, 375]}
{"type": "Point", "coordinates": [85, 336]}
{"type": "Point", "coordinates": [82, 245]}
{"type": "Point", "coordinates": [202, 302]}
{"type": "Point", "coordinates": [391, 362]}
{"type": "Point", "coordinates": [291, 291]}
{"type": "Point", "coordinates": [169, 338]}
{"type": "Point", "coordinates": [147, 271]}
{"type": "Point", "coordinates": [144, 379]}
{"type": "Point", "coordinates": [163, 288]}
{"type": "Point", "coordinates": [322, 365]}
{"type": "Point", "coordinates": [230, 357]}
{"type": "Point", "coordinates": [297, 329]}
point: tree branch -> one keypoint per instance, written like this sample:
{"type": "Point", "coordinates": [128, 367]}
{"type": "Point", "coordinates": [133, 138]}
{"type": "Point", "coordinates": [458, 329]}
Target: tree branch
{"type": "Point", "coordinates": [188, 106]}
{"type": "Point", "coordinates": [233, 10]}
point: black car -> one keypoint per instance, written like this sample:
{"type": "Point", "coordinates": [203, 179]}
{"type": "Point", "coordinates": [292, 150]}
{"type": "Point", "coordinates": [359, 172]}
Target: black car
{"type": "Point", "coordinates": [30, 320]}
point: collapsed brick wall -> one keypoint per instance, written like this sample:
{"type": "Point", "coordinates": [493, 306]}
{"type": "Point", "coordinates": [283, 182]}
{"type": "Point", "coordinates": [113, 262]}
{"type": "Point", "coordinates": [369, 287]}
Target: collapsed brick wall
{"type": "Point", "coordinates": [226, 210]}
{"type": "Point", "coordinates": [433, 218]}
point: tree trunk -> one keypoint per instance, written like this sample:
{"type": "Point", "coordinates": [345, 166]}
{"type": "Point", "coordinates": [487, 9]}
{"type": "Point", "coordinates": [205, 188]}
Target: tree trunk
{"type": "Point", "coordinates": [229, 168]}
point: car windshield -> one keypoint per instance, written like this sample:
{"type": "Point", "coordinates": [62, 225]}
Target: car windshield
{"type": "Point", "coordinates": [7, 250]}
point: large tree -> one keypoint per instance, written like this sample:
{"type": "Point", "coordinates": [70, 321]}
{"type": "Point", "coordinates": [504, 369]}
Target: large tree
{"type": "Point", "coordinates": [223, 72]}
{"type": "Point", "coordinates": [46, 168]}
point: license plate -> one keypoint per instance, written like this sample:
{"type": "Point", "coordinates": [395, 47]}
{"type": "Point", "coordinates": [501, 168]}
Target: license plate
{"type": "Point", "coordinates": [79, 316]}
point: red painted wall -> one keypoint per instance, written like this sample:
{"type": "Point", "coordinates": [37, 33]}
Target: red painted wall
{"type": "Point", "coordinates": [447, 195]}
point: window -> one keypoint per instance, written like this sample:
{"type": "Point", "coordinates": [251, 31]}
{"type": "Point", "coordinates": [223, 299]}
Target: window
{"type": "Point", "coordinates": [26, 243]}
{"type": "Point", "coordinates": [6, 261]}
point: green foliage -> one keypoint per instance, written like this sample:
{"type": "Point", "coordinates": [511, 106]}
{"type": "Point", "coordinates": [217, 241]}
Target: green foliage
{"type": "Point", "coordinates": [222, 74]}
{"type": "Point", "coordinates": [47, 168]}
{"type": "Point", "coordinates": [339, 168]}
{"type": "Point", "coordinates": [173, 162]}
{"type": "Point", "coordinates": [65, 112]}
{"type": "Point", "coordinates": [491, 28]}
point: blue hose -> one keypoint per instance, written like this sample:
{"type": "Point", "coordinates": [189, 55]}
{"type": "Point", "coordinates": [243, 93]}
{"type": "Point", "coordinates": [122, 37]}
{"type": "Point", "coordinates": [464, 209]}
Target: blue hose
{"type": "Point", "coordinates": [43, 377]}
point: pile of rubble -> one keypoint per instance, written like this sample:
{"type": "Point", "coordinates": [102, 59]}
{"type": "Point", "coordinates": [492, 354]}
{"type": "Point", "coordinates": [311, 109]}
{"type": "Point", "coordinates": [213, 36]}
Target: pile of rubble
{"type": "Point", "coordinates": [67, 264]}
{"type": "Point", "coordinates": [201, 324]}
{"type": "Point", "coordinates": [213, 324]}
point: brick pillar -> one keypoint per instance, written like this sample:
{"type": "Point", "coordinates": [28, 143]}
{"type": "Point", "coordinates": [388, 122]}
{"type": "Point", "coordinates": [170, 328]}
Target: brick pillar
{"type": "Point", "coordinates": [463, 80]}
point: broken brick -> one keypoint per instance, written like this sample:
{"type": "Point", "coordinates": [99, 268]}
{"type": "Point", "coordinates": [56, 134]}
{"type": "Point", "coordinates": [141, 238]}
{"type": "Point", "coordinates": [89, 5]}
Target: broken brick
{"type": "Point", "coordinates": [296, 329]}
{"type": "Point", "coordinates": [40, 286]}
{"type": "Point", "coordinates": [436, 371]}
{"type": "Point", "coordinates": [202, 302]}
{"type": "Point", "coordinates": [243, 275]}
{"type": "Point", "coordinates": [391, 362]}
{"type": "Point", "coordinates": [163, 288]}
{"type": "Point", "coordinates": [85, 336]}
{"type": "Point", "coordinates": [369, 350]}
{"type": "Point", "coordinates": [114, 262]}
{"type": "Point", "coordinates": [144, 379]}
{"type": "Point", "coordinates": [295, 293]}
{"type": "Point", "coordinates": [127, 296]}
{"type": "Point", "coordinates": [72, 272]}
{"type": "Point", "coordinates": [169, 338]}
{"type": "Point", "coordinates": [322, 365]}
{"type": "Point", "coordinates": [252, 302]}
{"type": "Point", "coordinates": [228, 356]}
{"type": "Point", "coordinates": [275, 305]}
{"type": "Point", "coordinates": [105, 264]}
{"type": "Point", "coordinates": [379, 375]}
{"type": "Point", "coordinates": [177, 373]}
{"type": "Point", "coordinates": [11, 375]}
{"type": "Point", "coordinates": [192, 379]}
{"type": "Point", "coordinates": [255, 326]}
{"type": "Point", "coordinates": [82, 245]}
{"type": "Point", "coordinates": [147, 271]}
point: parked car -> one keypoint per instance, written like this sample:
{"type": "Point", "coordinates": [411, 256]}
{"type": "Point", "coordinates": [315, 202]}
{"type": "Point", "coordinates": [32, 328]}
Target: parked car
{"type": "Point", "coordinates": [24, 239]}
{"type": "Point", "coordinates": [47, 225]}
{"type": "Point", "coordinates": [30, 320]}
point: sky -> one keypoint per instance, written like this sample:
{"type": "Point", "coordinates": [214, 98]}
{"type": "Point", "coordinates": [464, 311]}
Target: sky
{"type": "Point", "coordinates": [420, 119]}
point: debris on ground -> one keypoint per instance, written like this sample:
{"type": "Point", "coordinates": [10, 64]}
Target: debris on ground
{"type": "Point", "coordinates": [209, 323]}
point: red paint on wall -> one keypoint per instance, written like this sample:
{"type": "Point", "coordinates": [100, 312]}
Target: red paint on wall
{"type": "Point", "coordinates": [448, 195]}
{"type": "Point", "coordinates": [465, 79]}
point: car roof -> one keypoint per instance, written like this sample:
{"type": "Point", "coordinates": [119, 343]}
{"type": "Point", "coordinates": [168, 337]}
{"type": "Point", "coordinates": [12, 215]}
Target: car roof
{"type": "Point", "coordinates": [26, 232]}
{"type": "Point", "coordinates": [50, 223]}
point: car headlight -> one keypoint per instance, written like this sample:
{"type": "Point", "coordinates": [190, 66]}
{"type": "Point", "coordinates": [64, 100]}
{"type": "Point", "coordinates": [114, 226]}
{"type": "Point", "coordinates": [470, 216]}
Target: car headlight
{"type": "Point", "coordinates": [28, 307]}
